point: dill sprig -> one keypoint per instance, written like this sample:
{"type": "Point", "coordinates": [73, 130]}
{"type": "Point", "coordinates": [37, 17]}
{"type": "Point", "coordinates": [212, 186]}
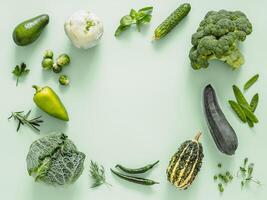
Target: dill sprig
{"type": "Point", "coordinates": [23, 120]}
{"type": "Point", "coordinates": [97, 173]}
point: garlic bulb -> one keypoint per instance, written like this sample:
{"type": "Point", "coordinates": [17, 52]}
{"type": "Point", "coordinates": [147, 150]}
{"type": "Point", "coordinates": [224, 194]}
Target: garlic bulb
{"type": "Point", "coordinates": [84, 29]}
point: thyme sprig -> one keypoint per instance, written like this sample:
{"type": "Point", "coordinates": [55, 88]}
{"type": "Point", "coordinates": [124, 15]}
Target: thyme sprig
{"type": "Point", "coordinates": [97, 173]}
{"type": "Point", "coordinates": [24, 120]}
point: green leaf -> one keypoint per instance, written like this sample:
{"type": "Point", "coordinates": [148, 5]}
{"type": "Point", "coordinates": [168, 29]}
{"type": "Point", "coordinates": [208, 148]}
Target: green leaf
{"type": "Point", "coordinates": [241, 100]}
{"type": "Point", "coordinates": [147, 10]}
{"type": "Point", "coordinates": [238, 110]}
{"type": "Point", "coordinates": [127, 20]}
{"type": "Point", "coordinates": [251, 81]}
{"type": "Point", "coordinates": [145, 19]}
{"type": "Point", "coordinates": [250, 114]}
{"type": "Point", "coordinates": [254, 102]}
{"type": "Point", "coordinates": [19, 71]}
{"type": "Point", "coordinates": [133, 13]}
{"type": "Point", "coordinates": [120, 29]}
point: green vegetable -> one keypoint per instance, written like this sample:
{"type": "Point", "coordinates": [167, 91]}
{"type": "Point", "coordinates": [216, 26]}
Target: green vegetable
{"type": "Point", "coordinates": [48, 101]}
{"type": "Point", "coordinates": [254, 102]}
{"type": "Point", "coordinates": [241, 100]}
{"type": "Point", "coordinates": [250, 123]}
{"type": "Point", "coordinates": [20, 71]}
{"type": "Point", "coordinates": [64, 80]}
{"type": "Point", "coordinates": [63, 60]}
{"type": "Point", "coordinates": [185, 163]}
{"type": "Point", "coordinates": [55, 160]}
{"type": "Point", "coordinates": [246, 172]}
{"type": "Point", "coordinates": [219, 165]}
{"type": "Point", "coordinates": [220, 186]}
{"type": "Point", "coordinates": [173, 20]}
{"type": "Point", "coordinates": [238, 110]}
{"type": "Point", "coordinates": [137, 170]}
{"type": "Point", "coordinates": [221, 130]}
{"type": "Point", "coordinates": [250, 114]}
{"type": "Point", "coordinates": [47, 63]}
{"type": "Point", "coordinates": [29, 31]}
{"type": "Point", "coordinates": [251, 81]}
{"type": "Point", "coordinates": [56, 68]}
{"type": "Point", "coordinates": [48, 54]}
{"type": "Point", "coordinates": [217, 37]}
{"type": "Point", "coordinates": [133, 179]}
{"type": "Point", "coordinates": [140, 17]}
{"type": "Point", "coordinates": [97, 173]}
{"type": "Point", "coordinates": [33, 123]}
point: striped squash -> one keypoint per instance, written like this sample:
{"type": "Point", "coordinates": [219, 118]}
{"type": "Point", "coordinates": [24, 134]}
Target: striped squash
{"type": "Point", "coordinates": [185, 163]}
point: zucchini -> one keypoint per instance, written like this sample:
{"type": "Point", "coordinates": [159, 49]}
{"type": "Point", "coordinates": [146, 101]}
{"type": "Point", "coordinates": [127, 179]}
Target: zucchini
{"type": "Point", "coordinates": [173, 20]}
{"type": "Point", "coordinates": [222, 132]}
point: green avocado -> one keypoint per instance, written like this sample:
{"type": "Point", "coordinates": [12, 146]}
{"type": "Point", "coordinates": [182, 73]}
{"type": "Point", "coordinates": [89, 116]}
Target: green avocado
{"type": "Point", "coordinates": [28, 31]}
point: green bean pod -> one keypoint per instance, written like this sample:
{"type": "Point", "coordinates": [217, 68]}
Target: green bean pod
{"type": "Point", "coordinates": [137, 170]}
{"type": "Point", "coordinates": [133, 179]}
{"type": "Point", "coordinates": [173, 20]}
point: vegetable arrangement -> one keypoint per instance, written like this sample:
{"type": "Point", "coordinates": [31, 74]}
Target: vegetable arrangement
{"type": "Point", "coordinates": [55, 160]}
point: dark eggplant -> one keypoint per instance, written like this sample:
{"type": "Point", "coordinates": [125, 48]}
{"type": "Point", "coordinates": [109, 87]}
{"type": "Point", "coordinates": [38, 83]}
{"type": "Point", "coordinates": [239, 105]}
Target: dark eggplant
{"type": "Point", "coordinates": [222, 132]}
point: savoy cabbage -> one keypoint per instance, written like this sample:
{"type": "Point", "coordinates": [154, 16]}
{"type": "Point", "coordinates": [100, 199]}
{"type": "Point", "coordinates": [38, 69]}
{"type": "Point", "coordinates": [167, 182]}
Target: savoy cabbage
{"type": "Point", "coordinates": [55, 160]}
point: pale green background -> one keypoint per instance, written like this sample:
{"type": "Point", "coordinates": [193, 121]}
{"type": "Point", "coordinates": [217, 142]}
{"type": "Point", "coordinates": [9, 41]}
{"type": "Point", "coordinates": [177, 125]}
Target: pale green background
{"type": "Point", "coordinates": [130, 101]}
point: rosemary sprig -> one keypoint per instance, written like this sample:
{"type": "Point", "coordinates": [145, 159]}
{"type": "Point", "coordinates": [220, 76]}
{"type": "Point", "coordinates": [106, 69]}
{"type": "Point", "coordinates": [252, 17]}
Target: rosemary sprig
{"type": "Point", "coordinates": [97, 173]}
{"type": "Point", "coordinates": [23, 120]}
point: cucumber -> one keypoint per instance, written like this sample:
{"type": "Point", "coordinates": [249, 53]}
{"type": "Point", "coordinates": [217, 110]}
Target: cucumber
{"type": "Point", "coordinates": [28, 31]}
{"type": "Point", "coordinates": [173, 20]}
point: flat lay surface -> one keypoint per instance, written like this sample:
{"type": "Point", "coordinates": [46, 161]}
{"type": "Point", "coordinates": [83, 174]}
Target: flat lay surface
{"type": "Point", "coordinates": [131, 100]}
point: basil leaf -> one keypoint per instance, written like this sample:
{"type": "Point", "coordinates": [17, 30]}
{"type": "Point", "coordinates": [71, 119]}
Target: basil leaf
{"type": "Point", "coordinates": [127, 20]}
{"type": "Point", "coordinates": [120, 29]}
{"type": "Point", "coordinates": [133, 13]}
{"type": "Point", "coordinates": [147, 10]}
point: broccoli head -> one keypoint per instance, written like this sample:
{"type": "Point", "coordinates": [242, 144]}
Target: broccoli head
{"type": "Point", "coordinates": [217, 37]}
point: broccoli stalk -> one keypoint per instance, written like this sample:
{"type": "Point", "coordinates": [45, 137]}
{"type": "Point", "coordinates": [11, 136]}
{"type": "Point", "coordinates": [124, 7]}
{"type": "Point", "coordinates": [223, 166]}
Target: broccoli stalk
{"type": "Point", "coordinates": [217, 38]}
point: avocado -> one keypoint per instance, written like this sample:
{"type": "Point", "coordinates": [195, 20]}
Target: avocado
{"type": "Point", "coordinates": [28, 31]}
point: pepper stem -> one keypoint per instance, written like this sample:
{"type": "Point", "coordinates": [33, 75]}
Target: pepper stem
{"type": "Point", "coordinates": [197, 136]}
{"type": "Point", "coordinates": [37, 88]}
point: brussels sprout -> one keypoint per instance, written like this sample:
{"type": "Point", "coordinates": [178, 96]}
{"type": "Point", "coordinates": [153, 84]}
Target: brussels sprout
{"type": "Point", "coordinates": [64, 80]}
{"type": "Point", "coordinates": [47, 63]}
{"type": "Point", "coordinates": [57, 68]}
{"type": "Point", "coordinates": [55, 160]}
{"type": "Point", "coordinates": [48, 54]}
{"type": "Point", "coordinates": [63, 60]}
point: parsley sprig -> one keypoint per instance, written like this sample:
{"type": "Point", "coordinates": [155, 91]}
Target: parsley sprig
{"type": "Point", "coordinates": [20, 71]}
{"type": "Point", "coordinates": [142, 16]}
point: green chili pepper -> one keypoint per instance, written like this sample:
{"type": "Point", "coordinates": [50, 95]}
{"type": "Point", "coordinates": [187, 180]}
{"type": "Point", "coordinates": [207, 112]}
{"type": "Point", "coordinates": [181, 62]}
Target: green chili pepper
{"type": "Point", "coordinates": [137, 170]}
{"type": "Point", "coordinates": [141, 181]}
{"type": "Point", "coordinates": [48, 101]}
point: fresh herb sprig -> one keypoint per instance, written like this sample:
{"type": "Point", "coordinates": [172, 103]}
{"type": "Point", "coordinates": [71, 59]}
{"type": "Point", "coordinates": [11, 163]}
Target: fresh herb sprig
{"type": "Point", "coordinates": [20, 70]}
{"type": "Point", "coordinates": [97, 173]}
{"type": "Point", "coordinates": [140, 17]}
{"type": "Point", "coordinates": [23, 120]}
{"type": "Point", "coordinates": [246, 172]}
